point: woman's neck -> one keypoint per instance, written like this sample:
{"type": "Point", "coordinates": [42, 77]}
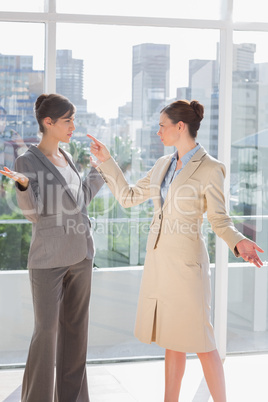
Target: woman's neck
{"type": "Point", "coordinates": [185, 146]}
{"type": "Point", "coordinates": [48, 147]}
{"type": "Point", "coordinates": [52, 152]}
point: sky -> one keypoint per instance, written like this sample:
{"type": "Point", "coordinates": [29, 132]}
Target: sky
{"type": "Point", "coordinates": [107, 55]}
{"type": "Point", "coordinates": [108, 59]}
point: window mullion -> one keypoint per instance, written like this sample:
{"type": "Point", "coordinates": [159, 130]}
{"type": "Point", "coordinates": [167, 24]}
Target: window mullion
{"type": "Point", "coordinates": [224, 155]}
{"type": "Point", "coordinates": [50, 6]}
{"type": "Point", "coordinates": [50, 57]}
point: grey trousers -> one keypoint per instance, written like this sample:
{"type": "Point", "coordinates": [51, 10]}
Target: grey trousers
{"type": "Point", "coordinates": [61, 304]}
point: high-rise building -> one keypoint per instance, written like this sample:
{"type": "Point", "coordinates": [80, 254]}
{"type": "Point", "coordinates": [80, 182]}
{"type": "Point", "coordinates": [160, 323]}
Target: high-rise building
{"type": "Point", "coordinates": [70, 79]}
{"type": "Point", "coordinates": [20, 85]}
{"type": "Point", "coordinates": [249, 127]}
{"type": "Point", "coordinates": [243, 56]}
{"type": "Point", "coordinates": [150, 90]}
{"type": "Point", "coordinates": [204, 84]}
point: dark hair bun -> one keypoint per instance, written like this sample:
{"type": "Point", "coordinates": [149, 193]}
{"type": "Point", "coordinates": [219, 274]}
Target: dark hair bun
{"type": "Point", "coordinates": [198, 108]}
{"type": "Point", "coordinates": [39, 100]}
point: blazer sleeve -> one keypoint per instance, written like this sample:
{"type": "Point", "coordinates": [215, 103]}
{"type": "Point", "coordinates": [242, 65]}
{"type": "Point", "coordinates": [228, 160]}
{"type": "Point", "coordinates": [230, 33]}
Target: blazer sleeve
{"type": "Point", "coordinates": [127, 195]}
{"type": "Point", "coordinates": [29, 200]}
{"type": "Point", "coordinates": [92, 184]}
{"type": "Point", "coordinates": [220, 221]}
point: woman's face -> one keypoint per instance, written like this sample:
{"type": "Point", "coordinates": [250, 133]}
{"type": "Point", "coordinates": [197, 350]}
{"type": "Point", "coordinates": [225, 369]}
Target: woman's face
{"type": "Point", "coordinates": [168, 132]}
{"type": "Point", "coordinates": [62, 129]}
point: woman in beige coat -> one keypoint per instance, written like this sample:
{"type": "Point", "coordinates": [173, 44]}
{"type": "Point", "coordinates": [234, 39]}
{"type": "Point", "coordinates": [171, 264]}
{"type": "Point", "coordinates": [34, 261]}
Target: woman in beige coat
{"type": "Point", "coordinates": [175, 297]}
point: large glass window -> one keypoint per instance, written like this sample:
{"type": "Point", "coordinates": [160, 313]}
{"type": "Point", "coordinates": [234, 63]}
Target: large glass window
{"type": "Point", "coordinates": [119, 82]}
{"type": "Point", "coordinates": [246, 10]}
{"type": "Point", "coordinates": [247, 307]}
{"type": "Point", "coordinates": [119, 77]}
{"type": "Point", "coordinates": [17, 5]}
{"type": "Point", "coordinates": [119, 87]}
{"type": "Point", "coordinates": [21, 81]}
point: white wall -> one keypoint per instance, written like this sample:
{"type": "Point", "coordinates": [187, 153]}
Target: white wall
{"type": "Point", "coordinates": [112, 316]}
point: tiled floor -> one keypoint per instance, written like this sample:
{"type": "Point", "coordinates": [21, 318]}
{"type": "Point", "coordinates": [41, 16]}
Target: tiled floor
{"type": "Point", "coordinates": [246, 381]}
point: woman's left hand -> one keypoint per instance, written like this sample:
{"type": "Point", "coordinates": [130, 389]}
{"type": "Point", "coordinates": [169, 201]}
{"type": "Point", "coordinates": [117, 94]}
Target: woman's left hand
{"type": "Point", "coordinates": [247, 250]}
{"type": "Point", "coordinates": [20, 178]}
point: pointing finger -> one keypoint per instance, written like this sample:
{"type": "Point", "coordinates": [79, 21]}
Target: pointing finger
{"type": "Point", "coordinates": [94, 139]}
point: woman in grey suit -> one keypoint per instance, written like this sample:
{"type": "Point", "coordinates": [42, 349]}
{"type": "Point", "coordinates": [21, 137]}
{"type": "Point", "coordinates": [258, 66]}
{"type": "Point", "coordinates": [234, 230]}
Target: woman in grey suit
{"type": "Point", "coordinates": [53, 197]}
{"type": "Point", "coordinates": [175, 297]}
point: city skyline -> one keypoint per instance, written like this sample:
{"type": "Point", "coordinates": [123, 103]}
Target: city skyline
{"type": "Point", "coordinates": [107, 60]}
{"type": "Point", "coordinates": [70, 79]}
{"type": "Point", "coordinates": [98, 55]}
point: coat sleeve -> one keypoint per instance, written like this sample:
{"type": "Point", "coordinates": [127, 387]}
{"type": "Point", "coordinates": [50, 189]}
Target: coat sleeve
{"type": "Point", "coordinates": [220, 221]}
{"type": "Point", "coordinates": [92, 184]}
{"type": "Point", "coordinates": [127, 195]}
{"type": "Point", "coordinates": [29, 200]}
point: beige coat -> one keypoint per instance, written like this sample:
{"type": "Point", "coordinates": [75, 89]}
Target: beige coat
{"type": "Point", "coordinates": [174, 303]}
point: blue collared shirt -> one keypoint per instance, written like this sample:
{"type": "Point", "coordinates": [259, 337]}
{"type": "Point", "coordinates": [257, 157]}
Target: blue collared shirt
{"type": "Point", "coordinates": [172, 173]}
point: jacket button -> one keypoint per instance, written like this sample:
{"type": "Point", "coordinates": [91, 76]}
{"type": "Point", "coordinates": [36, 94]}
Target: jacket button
{"type": "Point", "coordinates": [160, 216]}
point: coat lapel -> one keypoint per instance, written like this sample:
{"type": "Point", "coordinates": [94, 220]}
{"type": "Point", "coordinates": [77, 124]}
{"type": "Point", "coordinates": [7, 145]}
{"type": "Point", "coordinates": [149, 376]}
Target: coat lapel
{"type": "Point", "coordinates": [186, 172]}
{"type": "Point", "coordinates": [79, 200]}
{"type": "Point", "coordinates": [164, 168]}
{"type": "Point", "coordinates": [49, 165]}
{"type": "Point", "coordinates": [156, 181]}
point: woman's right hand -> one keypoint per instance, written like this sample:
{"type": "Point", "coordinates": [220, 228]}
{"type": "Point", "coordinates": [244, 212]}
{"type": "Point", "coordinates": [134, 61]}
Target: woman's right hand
{"type": "Point", "coordinates": [20, 178]}
{"type": "Point", "coordinates": [99, 150]}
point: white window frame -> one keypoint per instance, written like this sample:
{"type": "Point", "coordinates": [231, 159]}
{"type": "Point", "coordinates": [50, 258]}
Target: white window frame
{"type": "Point", "coordinates": [226, 27]}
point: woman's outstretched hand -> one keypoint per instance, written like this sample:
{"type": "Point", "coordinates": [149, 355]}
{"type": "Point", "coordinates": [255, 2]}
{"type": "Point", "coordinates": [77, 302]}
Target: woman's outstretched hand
{"type": "Point", "coordinates": [99, 150]}
{"type": "Point", "coordinates": [247, 250]}
{"type": "Point", "coordinates": [20, 178]}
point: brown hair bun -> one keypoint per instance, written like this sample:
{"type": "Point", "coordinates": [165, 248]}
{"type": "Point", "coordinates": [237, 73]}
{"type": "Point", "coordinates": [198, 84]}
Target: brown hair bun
{"type": "Point", "coordinates": [39, 100]}
{"type": "Point", "coordinates": [198, 108]}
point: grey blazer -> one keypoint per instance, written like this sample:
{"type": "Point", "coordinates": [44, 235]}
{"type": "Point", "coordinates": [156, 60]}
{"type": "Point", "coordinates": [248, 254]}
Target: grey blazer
{"type": "Point", "coordinates": [61, 229]}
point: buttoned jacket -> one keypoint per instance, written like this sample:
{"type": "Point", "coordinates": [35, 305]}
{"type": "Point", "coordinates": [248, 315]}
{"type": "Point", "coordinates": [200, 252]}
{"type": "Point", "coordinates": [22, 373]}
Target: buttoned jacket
{"type": "Point", "coordinates": [61, 229]}
{"type": "Point", "coordinates": [196, 190]}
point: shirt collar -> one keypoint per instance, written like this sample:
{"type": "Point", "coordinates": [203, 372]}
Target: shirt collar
{"type": "Point", "coordinates": [185, 158]}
